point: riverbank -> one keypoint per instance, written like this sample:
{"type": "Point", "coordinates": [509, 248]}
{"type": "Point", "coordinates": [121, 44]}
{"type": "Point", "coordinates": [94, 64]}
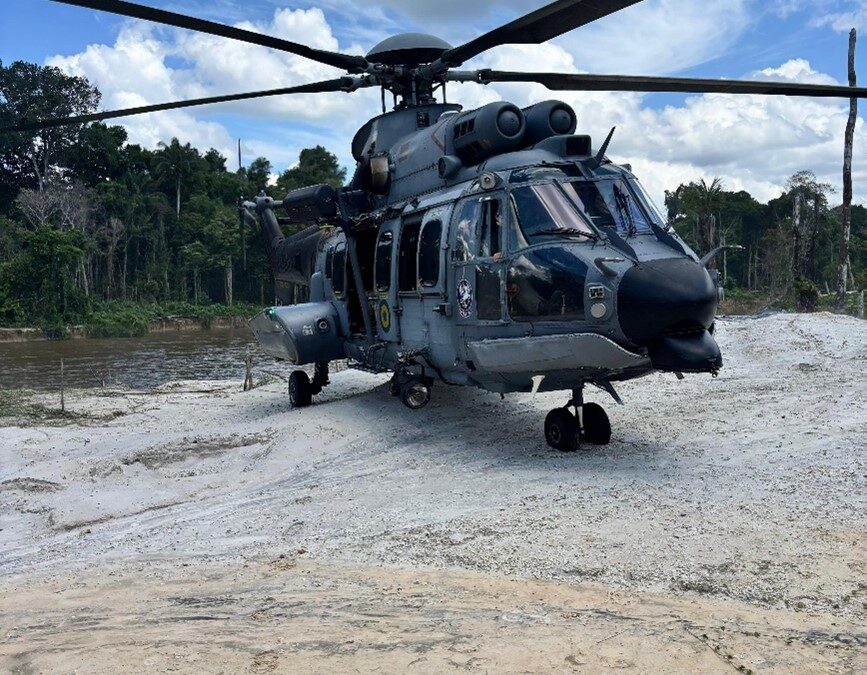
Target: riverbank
{"type": "Point", "coordinates": [165, 324]}
{"type": "Point", "coordinates": [198, 527]}
{"type": "Point", "coordinates": [116, 319]}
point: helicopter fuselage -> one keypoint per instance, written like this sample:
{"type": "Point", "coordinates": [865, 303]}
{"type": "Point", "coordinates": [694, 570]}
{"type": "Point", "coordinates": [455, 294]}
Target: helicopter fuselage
{"type": "Point", "coordinates": [536, 269]}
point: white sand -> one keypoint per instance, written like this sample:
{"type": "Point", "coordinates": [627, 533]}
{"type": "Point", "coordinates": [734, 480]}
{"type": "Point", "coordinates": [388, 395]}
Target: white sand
{"type": "Point", "coordinates": [747, 488]}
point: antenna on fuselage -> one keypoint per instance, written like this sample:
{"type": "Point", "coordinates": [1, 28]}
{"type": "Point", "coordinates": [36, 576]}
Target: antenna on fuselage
{"type": "Point", "coordinates": [596, 162]}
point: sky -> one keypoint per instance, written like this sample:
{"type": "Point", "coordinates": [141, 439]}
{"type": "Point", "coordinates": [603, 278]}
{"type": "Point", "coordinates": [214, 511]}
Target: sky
{"type": "Point", "coordinates": [752, 143]}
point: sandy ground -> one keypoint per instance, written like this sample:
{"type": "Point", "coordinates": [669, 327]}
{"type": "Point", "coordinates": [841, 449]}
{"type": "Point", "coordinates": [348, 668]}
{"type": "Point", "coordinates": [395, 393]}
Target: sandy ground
{"type": "Point", "coordinates": [723, 528]}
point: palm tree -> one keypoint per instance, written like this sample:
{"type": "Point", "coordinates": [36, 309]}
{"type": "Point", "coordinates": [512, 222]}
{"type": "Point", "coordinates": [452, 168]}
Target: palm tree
{"type": "Point", "coordinates": [704, 200]}
{"type": "Point", "coordinates": [174, 163]}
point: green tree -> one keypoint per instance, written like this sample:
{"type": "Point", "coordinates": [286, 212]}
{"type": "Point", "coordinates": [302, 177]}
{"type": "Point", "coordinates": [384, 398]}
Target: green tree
{"type": "Point", "coordinates": [173, 164]}
{"type": "Point", "coordinates": [703, 201]}
{"type": "Point", "coordinates": [98, 154]}
{"type": "Point", "coordinates": [315, 166]}
{"type": "Point", "coordinates": [258, 174]}
{"type": "Point", "coordinates": [29, 92]}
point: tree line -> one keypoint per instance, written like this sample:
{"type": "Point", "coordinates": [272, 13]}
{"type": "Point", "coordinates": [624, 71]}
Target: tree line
{"type": "Point", "coordinates": [790, 245]}
{"type": "Point", "coordinates": [87, 218]}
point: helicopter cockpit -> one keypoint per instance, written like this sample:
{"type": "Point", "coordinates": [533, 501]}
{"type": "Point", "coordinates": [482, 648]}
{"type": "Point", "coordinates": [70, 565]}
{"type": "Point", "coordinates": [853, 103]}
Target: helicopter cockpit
{"type": "Point", "coordinates": [579, 206]}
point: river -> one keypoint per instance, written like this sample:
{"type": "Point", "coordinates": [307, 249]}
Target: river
{"type": "Point", "coordinates": [139, 363]}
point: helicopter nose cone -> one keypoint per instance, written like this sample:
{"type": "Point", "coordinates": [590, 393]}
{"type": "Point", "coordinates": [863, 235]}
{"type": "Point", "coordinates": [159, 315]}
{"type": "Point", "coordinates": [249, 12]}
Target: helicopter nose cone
{"type": "Point", "coordinates": [667, 306]}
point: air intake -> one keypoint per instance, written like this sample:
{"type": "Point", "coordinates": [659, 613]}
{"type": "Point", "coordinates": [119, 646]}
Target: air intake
{"type": "Point", "coordinates": [549, 118]}
{"type": "Point", "coordinates": [491, 130]}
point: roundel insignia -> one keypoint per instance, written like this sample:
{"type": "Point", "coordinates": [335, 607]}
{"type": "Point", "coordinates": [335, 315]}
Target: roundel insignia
{"type": "Point", "coordinates": [465, 298]}
{"type": "Point", "coordinates": [384, 315]}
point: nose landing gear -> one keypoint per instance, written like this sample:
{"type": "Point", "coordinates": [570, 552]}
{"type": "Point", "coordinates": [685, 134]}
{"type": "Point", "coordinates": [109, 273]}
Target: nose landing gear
{"type": "Point", "coordinates": [564, 430]}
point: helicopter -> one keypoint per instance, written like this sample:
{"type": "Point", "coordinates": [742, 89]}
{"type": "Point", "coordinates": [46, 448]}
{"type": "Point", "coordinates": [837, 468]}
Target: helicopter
{"type": "Point", "coordinates": [494, 248]}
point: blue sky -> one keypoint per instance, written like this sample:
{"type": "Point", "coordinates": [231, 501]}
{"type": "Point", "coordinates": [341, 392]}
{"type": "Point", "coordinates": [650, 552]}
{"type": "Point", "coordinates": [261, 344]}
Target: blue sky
{"type": "Point", "coordinates": [750, 143]}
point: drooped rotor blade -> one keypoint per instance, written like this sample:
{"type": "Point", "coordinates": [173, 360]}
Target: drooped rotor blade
{"type": "Point", "coordinates": [339, 84]}
{"type": "Point", "coordinates": [536, 27]}
{"type": "Point", "coordinates": [347, 62]}
{"type": "Point", "coordinates": [681, 85]}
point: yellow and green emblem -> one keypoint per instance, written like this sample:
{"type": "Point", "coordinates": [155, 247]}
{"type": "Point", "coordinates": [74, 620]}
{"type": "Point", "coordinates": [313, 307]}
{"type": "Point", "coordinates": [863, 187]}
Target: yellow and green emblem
{"type": "Point", "coordinates": [384, 315]}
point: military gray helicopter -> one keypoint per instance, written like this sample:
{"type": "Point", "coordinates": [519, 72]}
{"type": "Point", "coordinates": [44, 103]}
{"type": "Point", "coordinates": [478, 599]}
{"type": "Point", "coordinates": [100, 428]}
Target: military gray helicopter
{"type": "Point", "coordinates": [493, 248]}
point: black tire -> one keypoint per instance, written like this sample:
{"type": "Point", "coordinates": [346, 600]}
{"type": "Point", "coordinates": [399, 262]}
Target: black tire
{"type": "Point", "coordinates": [300, 389]}
{"type": "Point", "coordinates": [561, 430]}
{"type": "Point", "coordinates": [415, 394]}
{"type": "Point", "coordinates": [597, 427]}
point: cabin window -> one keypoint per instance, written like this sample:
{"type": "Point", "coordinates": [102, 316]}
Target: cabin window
{"type": "Point", "coordinates": [407, 262]}
{"type": "Point", "coordinates": [383, 262]}
{"type": "Point", "coordinates": [338, 275]}
{"type": "Point", "coordinates": [429, 254]}
{"type": "Point", "coordinates": [329, 261]}
{"type": "Point", "coordinates": [465, 228]}
{"type": "Point", "coordinates": [517, 240]}
{"type": "Point", "coordinates": [489, 234]}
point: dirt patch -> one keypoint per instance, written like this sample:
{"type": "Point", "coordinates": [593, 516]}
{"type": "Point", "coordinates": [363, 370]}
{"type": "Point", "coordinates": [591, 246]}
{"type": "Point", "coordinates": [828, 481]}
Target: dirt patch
{"type": "Point", "coordinates": [192, 449]}
{"type": "Point", "coordinates": [30, 485]}
{"type": "Point", "coordinates": [325, 618]}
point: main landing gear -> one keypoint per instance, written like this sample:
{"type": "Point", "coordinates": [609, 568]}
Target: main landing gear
{"type": "Point", "coordinates": [564, 430]}
{"type": "Point", "coordinates": [413, 389]}
{"type": "Point", "coordinates": [302, 389]}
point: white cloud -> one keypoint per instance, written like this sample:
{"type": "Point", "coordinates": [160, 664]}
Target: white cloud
{"type": "Point", "coordinates": [843, 22]}
{"type": "Point", "coordinates": [752, 142]}
{"type": "Point", "coordinates": [146, 66]}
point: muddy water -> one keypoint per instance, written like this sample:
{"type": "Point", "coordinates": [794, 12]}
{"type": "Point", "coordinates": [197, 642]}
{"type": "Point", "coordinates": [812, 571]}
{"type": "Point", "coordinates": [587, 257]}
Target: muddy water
{"type": "Point", "coordinates": [139, 363]}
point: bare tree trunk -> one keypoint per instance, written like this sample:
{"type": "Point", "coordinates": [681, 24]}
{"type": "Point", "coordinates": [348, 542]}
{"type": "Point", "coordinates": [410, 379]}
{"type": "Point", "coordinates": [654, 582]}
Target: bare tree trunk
{"type": "Point", "coordinates": [796, 235]}
{"type": "Point", "coordinates": [39, 177]}
{"type": "Point", "coordinates": [707, 232]}
{"type": "Point", "coordinates": [810, 263]}
{"type": "Point", "coordinates": [178, 197]}
{"type": "Point", "coordinates": [62, 387]}
{"type": "Point", "coordinates": [846, 220]}
{"type": "Point", "coordinates": [125, 266]}
{"type": "Point", "coordinates": [229, 284]}
{"type": "Point", "coordinates": [84, 279]}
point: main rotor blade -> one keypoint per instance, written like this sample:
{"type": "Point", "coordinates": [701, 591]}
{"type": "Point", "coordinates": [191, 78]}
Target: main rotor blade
{"type": "Point", "coordinates": [536, 27]}
{"type": "Point", "coordinates": [347, 62]}
{"type": "Point", "coordinates": [683, 85]}
{"type": "Point", "coordinates": [340, 84]}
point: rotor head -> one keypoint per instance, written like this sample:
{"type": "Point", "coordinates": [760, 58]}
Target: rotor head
{"type": "Point", "coordinates": [408, 49]}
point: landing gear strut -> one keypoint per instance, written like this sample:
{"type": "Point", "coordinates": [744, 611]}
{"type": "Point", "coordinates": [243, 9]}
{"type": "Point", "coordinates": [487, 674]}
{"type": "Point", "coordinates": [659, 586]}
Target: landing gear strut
{"type": "Point", "coordinates": [302, 389]}
{"type": "Point", "coordinates": [564, 430]}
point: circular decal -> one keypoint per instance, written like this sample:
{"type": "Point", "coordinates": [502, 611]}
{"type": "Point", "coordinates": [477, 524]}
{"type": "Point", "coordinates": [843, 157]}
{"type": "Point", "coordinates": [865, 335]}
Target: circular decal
{"type": "Point", "coordinates": [465, 298]}
{"type": "Point", "coordinates": [384, 315]}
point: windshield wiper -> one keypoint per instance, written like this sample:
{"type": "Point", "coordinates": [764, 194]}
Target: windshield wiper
{"type": "Point", "coordinates": [622, 199]}
{"type": "Point", "coordinates": [568, 231]}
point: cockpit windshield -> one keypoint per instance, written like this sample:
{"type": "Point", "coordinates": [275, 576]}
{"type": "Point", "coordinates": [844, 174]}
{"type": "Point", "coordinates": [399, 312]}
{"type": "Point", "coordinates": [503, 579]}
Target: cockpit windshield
{"type": "Point", "coordinates": [609, 204]}
{"type": "Point", "coordinates": [543, 211]}
{"type": "Point", "coordinates": [648, 203]}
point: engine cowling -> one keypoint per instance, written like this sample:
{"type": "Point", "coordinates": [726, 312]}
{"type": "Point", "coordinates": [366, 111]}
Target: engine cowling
{"type": "Point", "coordinates": [490, 130]}
{"type": "Point", "coordinates": [548, 118]}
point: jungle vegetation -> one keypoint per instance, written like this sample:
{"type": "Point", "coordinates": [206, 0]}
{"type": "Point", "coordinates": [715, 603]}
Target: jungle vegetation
{"type": "Point", "coordinates": [99, 231]}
